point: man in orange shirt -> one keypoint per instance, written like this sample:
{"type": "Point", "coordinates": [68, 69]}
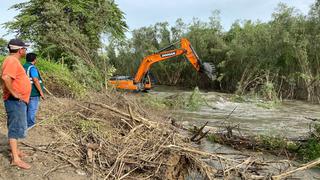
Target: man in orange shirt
{"type": "Point", "coordinates": [16, 94]}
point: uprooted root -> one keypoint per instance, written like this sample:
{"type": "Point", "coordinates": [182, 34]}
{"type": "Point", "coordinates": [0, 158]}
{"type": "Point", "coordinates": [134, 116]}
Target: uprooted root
{"type": "Point", "coordinates": [117, 140]}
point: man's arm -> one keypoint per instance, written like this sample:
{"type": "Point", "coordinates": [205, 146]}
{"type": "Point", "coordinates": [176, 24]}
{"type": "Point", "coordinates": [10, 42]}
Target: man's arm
{"type": "Point", "coordinates": [8, 83]}
{"type": "Point", "coordinates": [34, 74]}
{"type": "Point", "coordinates": [37, 84]}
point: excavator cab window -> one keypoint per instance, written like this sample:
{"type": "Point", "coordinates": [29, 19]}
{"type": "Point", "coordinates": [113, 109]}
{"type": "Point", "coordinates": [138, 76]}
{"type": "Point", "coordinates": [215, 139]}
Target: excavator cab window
{"type": "Point", "coordinates": [121, 78]}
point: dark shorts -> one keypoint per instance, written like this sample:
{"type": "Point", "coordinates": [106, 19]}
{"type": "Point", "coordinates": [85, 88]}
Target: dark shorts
{"type": "Point", "coordinates": [16, 118]}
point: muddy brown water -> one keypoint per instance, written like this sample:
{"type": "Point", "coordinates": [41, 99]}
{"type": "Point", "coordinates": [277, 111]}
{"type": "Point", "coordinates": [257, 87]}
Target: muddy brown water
{"type": "Point", "coordinates": [289, 119]}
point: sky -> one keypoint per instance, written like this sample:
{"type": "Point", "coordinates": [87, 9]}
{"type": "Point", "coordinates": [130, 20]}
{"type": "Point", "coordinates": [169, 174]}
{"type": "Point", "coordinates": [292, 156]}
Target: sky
{"type": "Point", "coordinates": [139, 13]}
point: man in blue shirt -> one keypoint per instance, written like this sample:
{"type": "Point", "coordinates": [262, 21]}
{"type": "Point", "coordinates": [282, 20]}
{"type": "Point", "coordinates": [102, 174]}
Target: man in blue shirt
{"type": "Point", "coordinates": [37, 88]}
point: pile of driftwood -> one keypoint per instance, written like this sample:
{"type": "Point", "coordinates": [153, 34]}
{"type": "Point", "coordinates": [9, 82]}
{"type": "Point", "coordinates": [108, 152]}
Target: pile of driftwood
{"type": "Point", "coordinates": [230, 135]}
{"type": "Point", "coordinates": [114, 137]}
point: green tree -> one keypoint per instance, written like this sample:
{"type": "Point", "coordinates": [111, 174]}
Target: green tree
{"type": "Point", "coordinates": [68, 28]}
{"type": "Point", "coordinates": [3, 46]}
{"type": "Point", "coordinates": [70, 31]}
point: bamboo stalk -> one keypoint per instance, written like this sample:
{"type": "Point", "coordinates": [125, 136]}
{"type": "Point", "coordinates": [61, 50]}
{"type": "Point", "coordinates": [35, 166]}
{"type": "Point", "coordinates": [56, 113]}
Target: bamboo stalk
{"type": "Point", "coordinates": [303, 167]}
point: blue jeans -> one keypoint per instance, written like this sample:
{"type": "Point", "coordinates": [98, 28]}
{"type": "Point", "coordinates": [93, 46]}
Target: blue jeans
{"type": "Point", "coordinates": [32, 110]}
{"type": "Point", "coordinates": [16, 118]}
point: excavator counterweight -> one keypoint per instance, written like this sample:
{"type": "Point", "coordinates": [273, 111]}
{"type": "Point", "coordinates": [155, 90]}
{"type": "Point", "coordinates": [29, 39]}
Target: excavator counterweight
{"type": "Point", "coordinates": [141, 81]}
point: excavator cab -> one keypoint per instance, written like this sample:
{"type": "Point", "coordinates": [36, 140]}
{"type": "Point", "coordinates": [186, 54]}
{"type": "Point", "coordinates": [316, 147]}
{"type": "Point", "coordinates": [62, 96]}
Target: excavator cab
{"type": "Point", "coordinates": [142, 82]}
{"type": "Point", "coordinates": [126, 82]}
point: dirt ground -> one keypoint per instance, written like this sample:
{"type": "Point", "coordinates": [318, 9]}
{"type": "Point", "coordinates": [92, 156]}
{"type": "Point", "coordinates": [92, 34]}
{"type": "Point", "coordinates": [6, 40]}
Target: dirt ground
{"type": "Point", "coordinates": [42, 163]}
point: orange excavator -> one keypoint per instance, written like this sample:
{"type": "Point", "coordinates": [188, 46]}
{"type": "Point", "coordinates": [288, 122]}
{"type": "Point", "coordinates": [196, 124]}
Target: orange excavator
{"type": "Point", "coordinates": [141, 81]}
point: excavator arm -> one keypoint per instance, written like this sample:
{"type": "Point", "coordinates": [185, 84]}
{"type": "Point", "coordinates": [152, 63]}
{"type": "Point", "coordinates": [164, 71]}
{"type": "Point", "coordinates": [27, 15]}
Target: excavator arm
{"type": "Point", "coordinates": [148, 61]}
{"type": "Point", "coordinates": [191, 54]}
{"type": "Point", "coordinates": [141, 80]}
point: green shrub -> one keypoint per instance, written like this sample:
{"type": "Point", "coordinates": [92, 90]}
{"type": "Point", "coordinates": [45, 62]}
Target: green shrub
{"type": "Point", "coordinates": [176, 101]}
{"type": "Point", "coordinates": [237, 98]}
{"type": "Point", "coordinates": [270, 142]}
{"type": "Point", "coordinates": [93, 77]}
{"type": "Point", "coordinates": [154, 101]}
{"type": "Point", "coordinates": [212, 138]}
{"type": "Point", "coordinates": [59, 79]}
{"type": "Point", "coordinates": [195, 100]}
{"type": "Point", "coordinates": [311, 150]}
{"type": "Point", "coordinates": [86, 126]}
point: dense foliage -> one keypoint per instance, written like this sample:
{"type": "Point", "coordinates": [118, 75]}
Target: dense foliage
{"type": "Point", "coordinates": [275, 59]}
{"type": "Point", "coordinates": [3, 47]}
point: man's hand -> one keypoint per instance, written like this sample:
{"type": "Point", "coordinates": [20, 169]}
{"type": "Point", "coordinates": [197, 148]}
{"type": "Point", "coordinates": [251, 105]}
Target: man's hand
{"type": "Point", "coordinates": [42, 96]}
{"type": "Point", "coordinates": [8, 83]}
{"type": "Point", "coordinates": [16, 95]}
{"type": "Point", "coordinates": [38, 86]}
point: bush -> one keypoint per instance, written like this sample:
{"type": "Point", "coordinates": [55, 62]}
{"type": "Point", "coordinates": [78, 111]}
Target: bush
{"type": "Point", "coordinates": [311, 150]}
{"type": "Point", "coordinates": [195, 100]}
{"type": "Point", "coordinates": [176, 101]}
{"type": "Point", "coordinates": [93, 77]}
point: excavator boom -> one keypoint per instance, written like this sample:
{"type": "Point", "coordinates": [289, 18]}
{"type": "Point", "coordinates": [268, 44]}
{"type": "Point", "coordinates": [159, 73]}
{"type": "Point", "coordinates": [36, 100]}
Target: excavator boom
{"type": "Point", "coordinates": [141, 80]}
{"type": "Point", "coordinates": [154, 58]}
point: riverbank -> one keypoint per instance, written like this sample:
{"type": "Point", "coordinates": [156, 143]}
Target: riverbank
{"type": "Point", "coordinates": [111, 136]}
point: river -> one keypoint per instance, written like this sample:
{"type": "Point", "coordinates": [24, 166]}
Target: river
{"type": "Point", "coordinates": [288, 119]}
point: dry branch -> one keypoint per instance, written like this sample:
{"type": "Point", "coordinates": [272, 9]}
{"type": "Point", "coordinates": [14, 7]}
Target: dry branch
{"type": "Point", "coordinates": [303, 167]}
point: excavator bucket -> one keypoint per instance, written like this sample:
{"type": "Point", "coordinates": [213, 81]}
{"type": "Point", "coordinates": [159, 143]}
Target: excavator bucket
{"type": "Point", "coordinates": [209, 70]}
